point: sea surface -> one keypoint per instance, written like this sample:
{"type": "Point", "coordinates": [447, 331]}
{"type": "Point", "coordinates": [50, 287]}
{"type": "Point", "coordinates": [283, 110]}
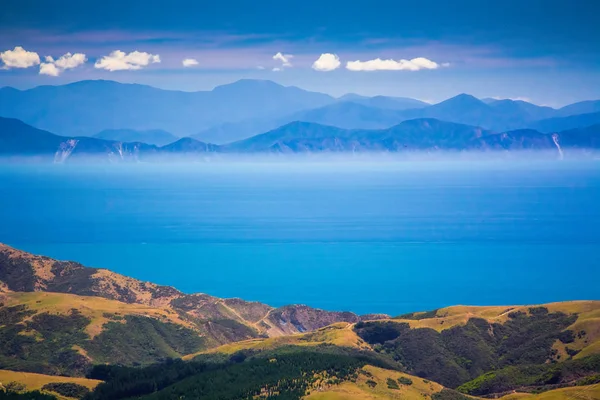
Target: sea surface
{"type": "Point", "coordinates": [389, 237]}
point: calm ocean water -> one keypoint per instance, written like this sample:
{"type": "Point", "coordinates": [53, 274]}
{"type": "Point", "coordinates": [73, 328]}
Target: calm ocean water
{"type": "Point", "coordinates": [364, 236]}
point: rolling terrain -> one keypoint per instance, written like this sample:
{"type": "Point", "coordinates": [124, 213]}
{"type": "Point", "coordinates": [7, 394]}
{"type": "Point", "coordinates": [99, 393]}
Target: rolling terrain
{"type": "Point", "coordinates": [99, 309]}
{"type": "Point", "coordinates": [61, 321]}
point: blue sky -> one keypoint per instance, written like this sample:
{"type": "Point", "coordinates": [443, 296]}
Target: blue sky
{"type": "Point", "coordinates": [542, 50]}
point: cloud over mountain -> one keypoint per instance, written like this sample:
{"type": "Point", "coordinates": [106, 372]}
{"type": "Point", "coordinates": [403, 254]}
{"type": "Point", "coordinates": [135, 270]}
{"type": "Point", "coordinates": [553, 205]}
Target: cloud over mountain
{"type": "Point", "coordinates": [189, 62]}
{"type": "Point", "coordinates": [285, 61]}
{"type": "Point", "coordinates": [326, 62]}
{"type": "Point", "coordinates": [119, 60]}
{"type": "Point", "coordinates": [19, 58]}
{"type": "Point", "coordinates": [378, 64]}
{"type": "Point", "coordinates": [53, 67]}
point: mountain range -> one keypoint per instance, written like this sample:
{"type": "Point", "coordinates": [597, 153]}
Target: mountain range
{"type": "Point", "coordinates": [69, 331]}
{"type": "Point", "coordinates": [87, 107]}
{"type": "Point", "coordinates": [495, 115]}
{"type": "Point", "coordinates": [249, 107]}
{"type": "Point", "coordinates": [19, 140]}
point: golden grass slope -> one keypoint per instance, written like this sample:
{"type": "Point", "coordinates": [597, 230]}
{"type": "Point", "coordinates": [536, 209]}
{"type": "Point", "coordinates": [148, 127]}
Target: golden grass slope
{"type": "Point", "coordinates": [360, 390]}
{"type": "Point", "coordinates": [591, 392]}
{"type": "Point", "coordinates": [95, 308]}
{"type": "Point", "coordinates": [342, 333]}
{"type": "Point", "coordinates": [588, 321]}
{"type": "Point", "coordinates": [36, 381]}
{"type": "Point", "coordinates": [339, 334]}
{"type": "Point", "coordinates": [459, 315]}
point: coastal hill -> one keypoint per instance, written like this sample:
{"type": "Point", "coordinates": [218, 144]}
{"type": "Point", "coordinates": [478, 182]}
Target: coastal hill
{"type": "Point", "coordinates": [78, 332]}
{"type": "Point", "coordinates": [33, 286]}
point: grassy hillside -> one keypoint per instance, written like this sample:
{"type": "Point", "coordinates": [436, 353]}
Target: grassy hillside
{"type": "Point", "coordinates": [377, 383]}
{"type": "Point", "coordinates": [31, 382]}
{"type": "Point", "coordinates": [220, 321]}
{"type": "Point", "coordinates": [588, 321]}
{"type": "Point", "coordinates": [591, 392]}
{"type": "Point", "coordinates": [339, 334]}
{"type": "Point", "coordinates": [63, 334]}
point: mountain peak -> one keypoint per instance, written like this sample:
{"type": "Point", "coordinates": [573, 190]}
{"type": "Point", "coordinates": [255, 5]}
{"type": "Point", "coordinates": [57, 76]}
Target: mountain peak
{"type": "Point", "coordinates": [248, 84]}
{"type": "Point", "coordinates": [464, 98]}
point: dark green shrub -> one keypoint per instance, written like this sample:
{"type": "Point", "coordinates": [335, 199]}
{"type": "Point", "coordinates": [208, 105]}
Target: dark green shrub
{"type": "Point", "coordinates": [392, 384]}
{"type": "Point", "coordinates": [405, 381]}
{"type": "Point", "coordinates": [67, 389]}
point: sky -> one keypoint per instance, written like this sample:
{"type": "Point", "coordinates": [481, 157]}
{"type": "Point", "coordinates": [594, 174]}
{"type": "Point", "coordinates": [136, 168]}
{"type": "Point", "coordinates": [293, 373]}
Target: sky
{"type": "Point", "coordinates": [544, 51]}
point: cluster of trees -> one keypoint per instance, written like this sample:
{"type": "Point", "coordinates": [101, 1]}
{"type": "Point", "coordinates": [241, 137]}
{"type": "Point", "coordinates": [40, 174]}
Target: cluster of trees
{"type": "Point", "coordinates": [287, 375]}
{"type": "Point", "coordinates": [67, 389]}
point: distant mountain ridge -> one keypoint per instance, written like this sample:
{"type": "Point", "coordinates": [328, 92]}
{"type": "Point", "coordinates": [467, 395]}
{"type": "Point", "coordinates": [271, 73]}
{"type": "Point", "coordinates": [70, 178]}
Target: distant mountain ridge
{"type": "Point", "coordinates": [18, 139]}
{"type": "Point", "coordinates": [425, 134]}
{"type": "Point", "coordinates": [386, 102]}
{"type": "Point", "coordinates": [358, 112]}
{"type": "Point", "coordinates": [249, 107]}
{"type": "Point", "coordinates": [88, 107]}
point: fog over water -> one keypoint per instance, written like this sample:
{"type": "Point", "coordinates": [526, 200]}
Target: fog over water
{"type": "Point", "coordinates": [369, 233]}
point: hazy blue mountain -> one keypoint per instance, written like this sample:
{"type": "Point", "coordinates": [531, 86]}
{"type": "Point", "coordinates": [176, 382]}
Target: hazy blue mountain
{"type": "Point", "coordinates": [522, 139]}
{"type": "Point", "coordinates": [522, 110]}
{"type": "Point", "coordinates": [581, 138]}
{"type": "Point", "coordinates": [582, 107]}
{"type": "Point", "coordinates": [352, 97]}
{"type": "Point", "coordinates": [22, 140]}
{"type": "Point", "coordinates": [18, 139]}
{"type": "Point", "coordinates": [234, 131]}
{"type": "Point", "coordinates": [294, 131]}
{"type": "Point", "coordinates": [488, 100]}
{"type": "Point", "coordinates": [463, 109]}
{"type": "Point", "coordinates": [189, 145]}
{"type": "Point", "coordinates": [499, 115]}
{"type": "Point", "coordinates": [156, 137]}
{"type": "Point", "coordinates": [558, 124]}
{"type": "Point", "coordinates": [349, 115]}
{"type": "Point", "coordinates": [87, 107]}
{"type": "Point", "coordinates": [409, 135]}
{"type": "Point", "coordinates": [386, 102]}
{"type": "Point", "coordinates": [587, 138]}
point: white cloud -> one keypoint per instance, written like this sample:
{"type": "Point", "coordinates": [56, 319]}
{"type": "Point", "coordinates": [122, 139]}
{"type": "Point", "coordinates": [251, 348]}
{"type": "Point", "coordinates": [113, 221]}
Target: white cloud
{"type": "Point", "coordinates": [19, 58]}
{"type": "Point", "coordinates": [277, 69]}
{"type": "Point", "coordinates": [326, 62]}
{"type": "Point", "coordinates": [284, 58]}
{"type": "Point", "coordinates": [49, 69]}
{"type": "Point", "coordinates": [189, 62]}
{"type": "Point", "coordinates": [119, 60]}
{"type": "Point", "coordinates": [378, 64]}
{"type": "Point", "coordinates": [70, 61]}
{"type": "Point", "coordinates": [67, 61]}
{"type": "Point", "coordinates": [260, 67]}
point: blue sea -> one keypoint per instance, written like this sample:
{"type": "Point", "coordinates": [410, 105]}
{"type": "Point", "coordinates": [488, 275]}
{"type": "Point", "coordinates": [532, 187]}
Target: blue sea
{"type": "Point", "coordinates": [364, 236]}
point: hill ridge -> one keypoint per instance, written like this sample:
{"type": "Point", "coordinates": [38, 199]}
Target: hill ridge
{"type": "Point", "coordinates": [24, 272]}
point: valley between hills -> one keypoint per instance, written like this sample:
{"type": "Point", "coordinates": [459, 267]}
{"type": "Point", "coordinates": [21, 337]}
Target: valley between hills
{"type": "Point", "coordinates": [69, 331]}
